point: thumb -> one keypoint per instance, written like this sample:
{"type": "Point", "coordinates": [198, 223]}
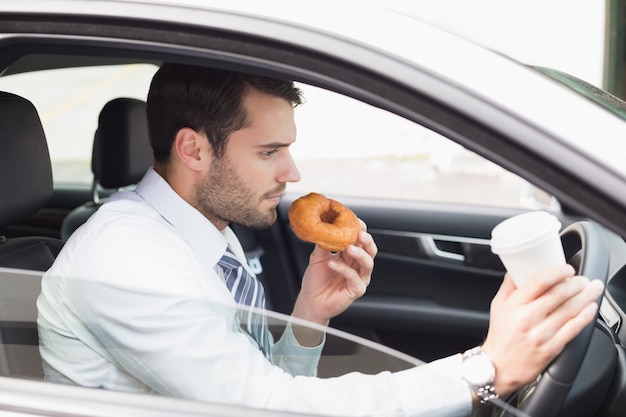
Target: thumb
{"type": "Point", "coordinates": [506, 289]}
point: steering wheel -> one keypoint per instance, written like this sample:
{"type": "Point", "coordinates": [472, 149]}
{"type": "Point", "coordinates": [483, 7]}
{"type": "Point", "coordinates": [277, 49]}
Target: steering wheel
{"type": "Point", "coordinates": [586, 248]}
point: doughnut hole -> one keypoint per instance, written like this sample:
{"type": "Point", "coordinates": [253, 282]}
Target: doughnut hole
{"type": "Point", "coordinates": [329, 216]}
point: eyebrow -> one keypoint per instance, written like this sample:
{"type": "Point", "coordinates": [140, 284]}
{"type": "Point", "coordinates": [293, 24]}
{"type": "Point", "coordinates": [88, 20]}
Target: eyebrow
{"type": "Point", "coordinates": [274, 145]}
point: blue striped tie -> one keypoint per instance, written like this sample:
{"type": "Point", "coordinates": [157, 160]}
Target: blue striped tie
{"type": "Point", "coordinates": [247, 290]}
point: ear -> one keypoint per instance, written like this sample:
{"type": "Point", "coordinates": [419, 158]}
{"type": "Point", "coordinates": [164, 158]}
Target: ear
{"type": "Point", "coordinates": [192, 149]}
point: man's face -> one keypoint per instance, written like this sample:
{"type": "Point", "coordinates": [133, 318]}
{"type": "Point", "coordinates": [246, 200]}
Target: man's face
{"type": "Point", "coordinates": [245, 185]}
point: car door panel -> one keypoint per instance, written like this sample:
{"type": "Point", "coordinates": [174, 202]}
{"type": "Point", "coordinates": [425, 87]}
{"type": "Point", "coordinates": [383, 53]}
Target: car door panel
{"type": "Point", "coordinates": [434, 274]}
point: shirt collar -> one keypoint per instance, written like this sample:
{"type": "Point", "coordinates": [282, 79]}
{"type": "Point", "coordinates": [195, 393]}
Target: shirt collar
{"type": "Point", "coordinates": [201, 235]}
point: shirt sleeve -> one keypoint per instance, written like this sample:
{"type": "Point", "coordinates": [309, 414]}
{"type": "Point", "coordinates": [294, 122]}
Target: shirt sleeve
{"type": "Point", "coordinates": [287, 353]}
{"type": "Point", "coordinates": [294, 358]}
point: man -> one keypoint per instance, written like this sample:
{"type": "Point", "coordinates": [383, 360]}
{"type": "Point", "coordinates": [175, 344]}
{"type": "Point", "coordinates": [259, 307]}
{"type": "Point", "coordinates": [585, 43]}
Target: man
{"type": "Point", "coordinates": [140, 300]}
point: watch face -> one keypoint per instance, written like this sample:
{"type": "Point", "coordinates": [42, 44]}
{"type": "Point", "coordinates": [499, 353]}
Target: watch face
{"type": "Point", "coordinates": [478, 370]}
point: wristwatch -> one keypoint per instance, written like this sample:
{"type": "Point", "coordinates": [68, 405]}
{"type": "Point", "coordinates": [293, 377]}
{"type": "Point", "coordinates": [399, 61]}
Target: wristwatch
{"type": "Point", "coordinates": [480, 373]}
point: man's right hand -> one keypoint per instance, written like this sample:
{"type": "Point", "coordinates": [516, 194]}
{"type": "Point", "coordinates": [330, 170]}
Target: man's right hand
{"type": "Point", "coordinates": [530, 326]}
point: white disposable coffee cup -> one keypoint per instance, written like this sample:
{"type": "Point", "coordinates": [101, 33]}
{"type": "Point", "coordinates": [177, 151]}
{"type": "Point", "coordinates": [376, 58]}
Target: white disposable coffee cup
{"type": "Point", "coordinates": [528, 242]}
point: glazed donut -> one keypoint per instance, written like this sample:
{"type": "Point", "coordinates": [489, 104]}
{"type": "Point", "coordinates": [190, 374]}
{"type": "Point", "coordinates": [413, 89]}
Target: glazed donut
{"type": "Point", "coordinates": [325, 222]}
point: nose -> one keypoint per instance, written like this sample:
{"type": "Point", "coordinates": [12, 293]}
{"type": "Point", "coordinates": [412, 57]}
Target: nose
{"type": "Point", "coordinates": [290, 172]}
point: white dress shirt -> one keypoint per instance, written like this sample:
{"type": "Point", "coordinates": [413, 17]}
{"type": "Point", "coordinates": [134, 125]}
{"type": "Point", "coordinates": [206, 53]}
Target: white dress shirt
{"type": "Point", "coordinates": [134, 303]}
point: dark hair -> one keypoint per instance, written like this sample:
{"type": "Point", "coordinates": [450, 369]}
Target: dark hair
{"type": "Point", "coordinates": [206, 100]}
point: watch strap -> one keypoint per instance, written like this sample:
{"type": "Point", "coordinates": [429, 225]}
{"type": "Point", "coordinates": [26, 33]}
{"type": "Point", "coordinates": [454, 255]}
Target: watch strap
{"type": "Point", "coordinates": [486, 393]}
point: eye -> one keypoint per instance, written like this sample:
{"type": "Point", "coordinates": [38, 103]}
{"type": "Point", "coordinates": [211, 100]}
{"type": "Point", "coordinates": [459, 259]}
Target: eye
{"type": "Point", "coordinates": [269, 153]}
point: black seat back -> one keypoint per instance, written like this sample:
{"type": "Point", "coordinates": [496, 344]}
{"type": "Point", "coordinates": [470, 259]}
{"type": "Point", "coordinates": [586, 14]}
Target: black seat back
{"type": "Point", "coordinates": [25, 183]}
{"type": "Point", "coordinates": [121, 155]}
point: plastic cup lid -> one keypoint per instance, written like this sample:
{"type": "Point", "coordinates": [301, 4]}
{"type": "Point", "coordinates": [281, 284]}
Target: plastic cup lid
{"type": "Point", "coordinates": [522, 231]}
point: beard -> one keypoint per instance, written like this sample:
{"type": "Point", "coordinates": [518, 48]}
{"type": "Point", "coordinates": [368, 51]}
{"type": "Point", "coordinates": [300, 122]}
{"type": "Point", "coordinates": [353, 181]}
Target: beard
{"type": "Point", "coordinates": [222, 197]}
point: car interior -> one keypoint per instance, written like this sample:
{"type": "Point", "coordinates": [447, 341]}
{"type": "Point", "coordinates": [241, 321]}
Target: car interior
{"type": "Point", "coordinates": [24, 149]}
{"type": "Point", "coordinates": [121, 155]}
{"type": "Point", "coordinates": [434, 279]}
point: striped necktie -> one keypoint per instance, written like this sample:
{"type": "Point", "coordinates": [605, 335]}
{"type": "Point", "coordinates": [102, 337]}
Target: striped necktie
{"type": "Point", "coordinates": [247, 290]}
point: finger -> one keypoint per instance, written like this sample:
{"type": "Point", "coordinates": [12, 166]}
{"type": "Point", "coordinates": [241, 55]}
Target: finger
{"type": "Point", "coordinates": [319, 255]}
{"type": "Point", "coordinates": [504, 292]}
{"type": "Point", "coordinates": [542, 281]}
{"type": "Point", "coordinates": [363, 230]}
{"type": "Point", "coordinates": [575, 291]}
{"type": "Point", "coordinates": [587, 293]}
{"type": "Point", "coordinates": [360, 261]}
{"type": "Point", "coordinates": [570, 329]}
{"type": "Point", "coordinates": [363, 262]}
{"type": "Point", "coordinates": [559, 296]}
{"type": "Point", "coordinates": [363, 225]}
{"type": "Point", "coordinates": [367, 242]}
{"type": "Point", "coordinates": [507, 287]}
{"type": "Point", "coordinates": [355, 285]}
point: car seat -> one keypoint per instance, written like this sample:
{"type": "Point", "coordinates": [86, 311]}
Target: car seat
{"type": "Point", "coordinates": [25, 183]}
{"type": "Point", "coordinates": [121, 155]}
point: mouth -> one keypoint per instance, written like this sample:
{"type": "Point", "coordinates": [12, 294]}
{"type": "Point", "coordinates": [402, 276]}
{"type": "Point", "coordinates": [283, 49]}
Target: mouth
{"type": "Point", "coordinates": [275, 195]}
{"type": "Point", "coordinates": [274, 198]}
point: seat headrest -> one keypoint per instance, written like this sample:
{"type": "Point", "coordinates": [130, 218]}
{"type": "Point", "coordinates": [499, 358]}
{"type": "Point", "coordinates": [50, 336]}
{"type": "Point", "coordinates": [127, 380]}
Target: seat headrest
{"type": "Point", "coordinates": [25, 168]}
{"type": "Point", "coordinates": [121, 149]}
